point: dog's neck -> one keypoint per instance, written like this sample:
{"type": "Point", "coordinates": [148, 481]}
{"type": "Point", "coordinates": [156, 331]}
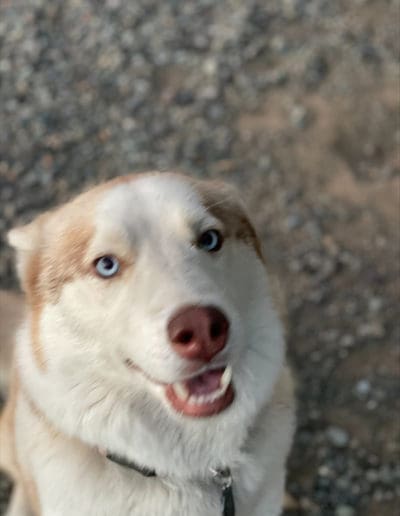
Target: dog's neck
{"type": "Point", "coordinates": [221, 477]}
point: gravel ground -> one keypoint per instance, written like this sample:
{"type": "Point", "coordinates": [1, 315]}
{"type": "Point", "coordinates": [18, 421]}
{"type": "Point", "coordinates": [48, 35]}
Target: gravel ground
{"type": "Point", "coordinates": [295, 101]}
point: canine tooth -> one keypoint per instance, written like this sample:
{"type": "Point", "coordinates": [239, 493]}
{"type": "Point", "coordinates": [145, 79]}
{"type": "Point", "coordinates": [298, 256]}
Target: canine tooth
{"type": "Point", "coordinates": [181, 391]}
{"type": "Point", "coordinates": [226, 377]}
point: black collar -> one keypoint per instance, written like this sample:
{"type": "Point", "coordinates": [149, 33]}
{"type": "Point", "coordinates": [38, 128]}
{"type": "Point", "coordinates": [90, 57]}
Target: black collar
{"type": "Point", "coordinates": [221, 477]}
{"type": "Point", "coordinates": [146, 472]}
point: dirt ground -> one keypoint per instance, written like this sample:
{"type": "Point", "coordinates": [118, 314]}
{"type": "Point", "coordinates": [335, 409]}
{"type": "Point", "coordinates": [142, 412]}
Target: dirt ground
{"type": "Point", "coordinates": [297, 103]}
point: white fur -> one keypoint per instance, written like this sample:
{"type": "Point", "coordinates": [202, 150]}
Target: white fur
{"type": "Point", "coordinates": [94, 401]}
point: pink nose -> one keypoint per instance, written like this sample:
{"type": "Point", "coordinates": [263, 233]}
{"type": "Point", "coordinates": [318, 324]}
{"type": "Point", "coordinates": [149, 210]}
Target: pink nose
{"type": "Point", "coordinates": [198, 332]}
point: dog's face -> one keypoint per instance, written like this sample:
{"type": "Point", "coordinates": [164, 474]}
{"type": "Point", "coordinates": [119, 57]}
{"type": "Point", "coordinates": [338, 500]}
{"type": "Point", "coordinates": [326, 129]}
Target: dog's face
{"type": "Point", "coordinates": [150, 289]}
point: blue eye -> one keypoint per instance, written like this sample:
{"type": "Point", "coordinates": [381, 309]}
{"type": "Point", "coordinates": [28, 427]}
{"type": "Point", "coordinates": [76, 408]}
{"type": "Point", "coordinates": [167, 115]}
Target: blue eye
{"type": "Point", "coordinates": [107, 266]}
{"type": "Point", "coordinates": [210, 241]}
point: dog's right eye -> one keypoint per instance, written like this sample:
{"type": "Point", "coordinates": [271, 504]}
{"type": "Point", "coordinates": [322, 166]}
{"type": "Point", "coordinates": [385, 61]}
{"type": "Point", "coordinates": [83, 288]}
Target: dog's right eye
{"type": "Point", "coordinates": [210, 241]}
{"type": "Point", "coordinates": [107, 266]}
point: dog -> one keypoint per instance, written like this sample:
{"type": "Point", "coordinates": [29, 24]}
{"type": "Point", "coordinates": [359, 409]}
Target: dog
{"type": "Point", "coordinates": [149, 374]}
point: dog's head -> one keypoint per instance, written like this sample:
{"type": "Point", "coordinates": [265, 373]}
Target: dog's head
{"type": "Point", "coordinates": [149, 306]}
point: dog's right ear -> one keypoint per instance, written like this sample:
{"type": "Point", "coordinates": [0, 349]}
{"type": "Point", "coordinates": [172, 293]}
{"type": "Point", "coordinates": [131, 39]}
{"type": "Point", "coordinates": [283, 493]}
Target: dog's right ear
{"type": "Point", "coordinates": [25, 238]}
{"type": "Point", "coordinates": [27, 242]}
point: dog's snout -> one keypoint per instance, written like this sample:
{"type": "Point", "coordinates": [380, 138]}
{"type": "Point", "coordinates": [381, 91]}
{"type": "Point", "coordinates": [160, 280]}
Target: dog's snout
{"type": "Point", "coordinates": [198, 332]}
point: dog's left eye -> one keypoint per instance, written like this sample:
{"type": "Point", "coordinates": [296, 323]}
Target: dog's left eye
{"type": "Point", "coordinates": [210, 241]}
{"type": "Point", "coordinates": [107, 266]}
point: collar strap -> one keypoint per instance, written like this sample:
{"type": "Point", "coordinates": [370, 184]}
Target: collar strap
{"type": "Point", "coordinates": [146, 472]}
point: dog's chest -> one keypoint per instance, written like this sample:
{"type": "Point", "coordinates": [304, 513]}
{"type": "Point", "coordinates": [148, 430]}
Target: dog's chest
{"type": "Point", "coordinates": [71, 478]}
{"type": "Point", "coordinates": [130, 496]}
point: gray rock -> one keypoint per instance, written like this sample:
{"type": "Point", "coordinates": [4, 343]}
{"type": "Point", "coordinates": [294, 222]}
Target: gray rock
{"type": "Point", "coordinates": [344, 510]}
{"type": "Point", "coordinates": [299, 117]}
{"type": "Point", "coordinates": [337, 436]}
{"type": "Point", "coordinates": [363, 387]}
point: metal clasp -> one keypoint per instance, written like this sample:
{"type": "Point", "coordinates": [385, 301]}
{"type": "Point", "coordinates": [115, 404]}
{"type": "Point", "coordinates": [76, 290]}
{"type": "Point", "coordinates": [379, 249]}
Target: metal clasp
{"type": "Point", "coordinates": [222, 477]}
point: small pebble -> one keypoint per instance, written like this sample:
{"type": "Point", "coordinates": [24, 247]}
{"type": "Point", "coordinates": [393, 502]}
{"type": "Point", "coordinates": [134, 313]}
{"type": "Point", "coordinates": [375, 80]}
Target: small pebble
{"type": "Point", "coordinates": [344, 510]}
{"type": "Point", "coordinates": [337, 436]}
{"type": "Point", "coordinates": [363, 387]}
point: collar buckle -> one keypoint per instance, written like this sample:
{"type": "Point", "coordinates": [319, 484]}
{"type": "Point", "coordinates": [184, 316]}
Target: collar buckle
{"type": "Point", "coordinates": [223, 478]}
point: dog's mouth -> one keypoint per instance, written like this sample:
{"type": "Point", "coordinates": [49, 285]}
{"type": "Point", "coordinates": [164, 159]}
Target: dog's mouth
{"type": "Point", "coordinates": [206, 394]}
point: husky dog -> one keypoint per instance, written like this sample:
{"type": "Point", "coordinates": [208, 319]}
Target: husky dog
{"type": "Point", "coordinates": [149, 374]}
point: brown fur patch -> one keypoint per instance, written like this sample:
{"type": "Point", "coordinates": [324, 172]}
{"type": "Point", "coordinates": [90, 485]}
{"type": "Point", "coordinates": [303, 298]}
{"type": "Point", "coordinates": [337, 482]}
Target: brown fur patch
{"type": "Point", "coordinates": [222, 203]}
{"type": "Point", "coordinates": [52, 264]}
{"type": "Point", "coordinates": [8, 457]}
{"type": "Point", "coordinates": [65, 259]}
{"type": "Point", "coordinates": [12, 309]}
{"type": "Point", "coordinates": [34, 297]}
{"type": "Point", "coordinates": [48, 270]}
{"type": "Point", "coordinates": [59, 258]}
{"type": "Point", "coordinates": [31, 493]}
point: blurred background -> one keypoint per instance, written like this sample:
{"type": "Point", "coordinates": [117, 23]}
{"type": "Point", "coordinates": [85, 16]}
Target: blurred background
{"type": "Point", "coordinates": [294, 101]}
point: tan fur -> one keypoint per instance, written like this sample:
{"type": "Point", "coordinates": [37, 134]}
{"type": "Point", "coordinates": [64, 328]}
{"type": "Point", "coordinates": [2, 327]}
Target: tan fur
{"type": "Point", "coordinates": [49, 269]}
{"type": "Point", "coordinates": [11, 313]}
{"type": "Point", "coordinates": [229, 212]}
{"type": "Point", "coordinates": [66, 259]}
{"type": "Point", "coordinates": [31, 492]}
{"type": "Point", "coordinates": [35, 299]}
{"type": "Point", "coordinates": [8, 453]}
{"type": "Point", "coordinates": [8, 459]}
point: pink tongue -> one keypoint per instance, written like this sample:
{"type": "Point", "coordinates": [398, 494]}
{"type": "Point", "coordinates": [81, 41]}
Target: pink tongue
{"type": "Point", "coordinates": [205, 383]}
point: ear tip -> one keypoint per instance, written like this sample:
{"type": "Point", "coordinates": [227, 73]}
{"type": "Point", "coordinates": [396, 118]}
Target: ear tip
{"type": "Point", "coordinates": [22, 238]}
{"type": "Point", "coordinates": [12, 237]}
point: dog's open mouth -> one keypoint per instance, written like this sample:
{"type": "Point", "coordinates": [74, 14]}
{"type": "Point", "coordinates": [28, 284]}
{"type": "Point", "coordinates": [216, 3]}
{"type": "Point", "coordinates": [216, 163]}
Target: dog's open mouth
{"type": "Point", "coordinates": [206, 394]}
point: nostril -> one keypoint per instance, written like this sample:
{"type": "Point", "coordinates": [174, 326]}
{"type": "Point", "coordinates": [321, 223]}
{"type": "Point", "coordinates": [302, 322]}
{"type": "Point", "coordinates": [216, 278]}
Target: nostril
{"type": "Point", "coordinates": [216, 330]}
{"type": "Point", "coordinates": [184, 337]}
{"type": "Point", "coordinates": [198, 332]}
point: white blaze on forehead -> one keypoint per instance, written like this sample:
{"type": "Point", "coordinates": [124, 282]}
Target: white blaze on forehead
{"type": "Point", "coordinates": [149, 205]}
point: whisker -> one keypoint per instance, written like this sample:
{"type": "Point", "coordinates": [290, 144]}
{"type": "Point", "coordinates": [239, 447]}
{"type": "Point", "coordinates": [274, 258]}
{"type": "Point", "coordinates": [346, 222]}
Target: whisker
{"type": "Point", "coordinates": [261, 354]}
{"type": "Point", "coordinates": [221, 201]}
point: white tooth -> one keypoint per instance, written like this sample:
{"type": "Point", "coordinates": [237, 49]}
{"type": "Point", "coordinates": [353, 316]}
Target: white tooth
{"type": "Point", "coordinates": [215, 395]}
{"type": "Point", "coordinates": [210, 398]}
{"type": "Point", "coordinates": [181, 391]}
{"type": "Point", "coordinates": [226, 377]}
